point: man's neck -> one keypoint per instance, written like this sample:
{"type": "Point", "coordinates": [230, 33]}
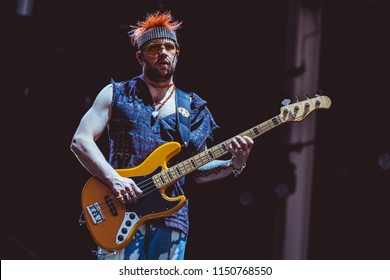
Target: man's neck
{"type": "Point", "coordinates": [158, 89]}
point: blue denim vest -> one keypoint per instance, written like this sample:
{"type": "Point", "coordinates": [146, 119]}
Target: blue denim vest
{"type": "Point", "coordinates": [134, 134]}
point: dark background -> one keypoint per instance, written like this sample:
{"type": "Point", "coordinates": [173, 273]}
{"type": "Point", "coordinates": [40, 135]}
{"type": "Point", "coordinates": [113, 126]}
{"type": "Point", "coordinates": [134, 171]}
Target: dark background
{"type": "Point", "coordinates": [233, 55]}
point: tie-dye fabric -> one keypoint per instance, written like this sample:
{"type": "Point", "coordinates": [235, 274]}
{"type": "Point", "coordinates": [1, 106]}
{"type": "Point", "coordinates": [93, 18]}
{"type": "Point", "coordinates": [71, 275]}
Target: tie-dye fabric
{"type": "Point", "coordinates": [151, 242]}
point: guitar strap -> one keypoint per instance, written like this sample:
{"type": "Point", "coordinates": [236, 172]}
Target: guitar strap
{"type": "Point", "coordinates": [183, 116]}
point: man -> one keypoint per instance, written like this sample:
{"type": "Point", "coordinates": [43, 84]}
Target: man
{"type": "Point", "coordinates": [140, 115]}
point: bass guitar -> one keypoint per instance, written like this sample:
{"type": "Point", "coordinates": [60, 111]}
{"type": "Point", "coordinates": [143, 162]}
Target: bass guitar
{"type": "Point", "coordinates": [113, 224]}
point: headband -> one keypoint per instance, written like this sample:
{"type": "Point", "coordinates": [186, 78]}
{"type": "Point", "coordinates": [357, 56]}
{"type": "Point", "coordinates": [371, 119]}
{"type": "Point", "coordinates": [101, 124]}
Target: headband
{"type": "Point", "coordinates": [156, 33]}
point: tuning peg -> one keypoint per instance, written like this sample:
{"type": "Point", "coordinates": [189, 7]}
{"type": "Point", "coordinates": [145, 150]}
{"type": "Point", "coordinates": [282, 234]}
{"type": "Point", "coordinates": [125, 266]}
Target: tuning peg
{"type": "Point", "coordinates": [307, 96]}
{"type": "Point", "coordinates": [285, 102]}
{"type": "Point", "coordinates": [318, 93]}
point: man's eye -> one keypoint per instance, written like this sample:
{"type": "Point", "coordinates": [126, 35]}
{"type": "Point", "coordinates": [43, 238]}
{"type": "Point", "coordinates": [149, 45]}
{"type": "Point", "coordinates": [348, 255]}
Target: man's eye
{"type": "Point", "coordinates": [154, 47]}
{"type": "Point", "coordinates": [169, 47]}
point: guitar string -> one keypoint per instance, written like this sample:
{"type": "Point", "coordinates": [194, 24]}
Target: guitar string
{"type": "Point", "coordinates": [265, 128]}
{"type": "Point", "coordinates": [145, 186]}
{"type": "Point", "coordinates": [103, 205]}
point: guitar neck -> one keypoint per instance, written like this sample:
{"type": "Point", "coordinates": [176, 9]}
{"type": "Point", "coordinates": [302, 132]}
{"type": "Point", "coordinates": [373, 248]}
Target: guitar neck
{"type": "Point", "coordinates": [290, 112]}
{"type": "Point", "coordinates": [172, 174]}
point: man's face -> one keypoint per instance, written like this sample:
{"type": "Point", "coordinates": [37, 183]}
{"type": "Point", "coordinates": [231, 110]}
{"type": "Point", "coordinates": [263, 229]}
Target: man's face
{"type": "Point", "coordinates": [159, 58]}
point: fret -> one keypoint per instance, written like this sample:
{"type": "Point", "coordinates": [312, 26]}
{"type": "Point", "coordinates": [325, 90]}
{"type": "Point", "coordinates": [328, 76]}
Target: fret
{"type": "Point", "coordinates": [224, 147]}
{"type": "Point", "coordinates": [218, 151]}
{"type": "Point", "coordinates": [164, 174]}
{"type": "Point", "coordinates": [156, 181]}
{"type": "Point", "coordinates": [200, 157]}
{"type": "Point", "coordinates": [184, 166]}
{"type": "Point", "coordinates": [188, 165]}
{"type": "Point", "coordinates": [193, 162]}
{"type": "Point", "coordinates": [268, 126]}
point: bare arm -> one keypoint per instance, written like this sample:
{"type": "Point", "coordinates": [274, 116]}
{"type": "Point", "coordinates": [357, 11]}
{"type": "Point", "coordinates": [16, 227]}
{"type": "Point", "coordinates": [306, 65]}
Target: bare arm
{"type": "Point", "coordinates": [218, 169]}
{"type": "Point", "coordinates": [83, 145]}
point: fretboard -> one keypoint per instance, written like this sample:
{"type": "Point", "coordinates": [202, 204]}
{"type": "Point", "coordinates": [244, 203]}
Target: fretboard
{"type": "Point", "coordinates": [175, 172]}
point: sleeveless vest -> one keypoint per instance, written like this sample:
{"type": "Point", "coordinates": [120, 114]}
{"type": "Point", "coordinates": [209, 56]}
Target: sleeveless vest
{"type": "Point", "coordinates": [134, 134]}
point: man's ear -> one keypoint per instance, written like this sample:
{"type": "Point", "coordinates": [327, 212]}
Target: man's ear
{"type": "Point", "coordinates": [177, 55]}
{"type": "Point", "coordinates": [138, 55]}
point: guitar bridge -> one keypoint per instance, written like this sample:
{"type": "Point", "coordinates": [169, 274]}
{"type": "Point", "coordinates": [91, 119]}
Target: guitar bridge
{"type": "Point", "coordinates": [96, 213]}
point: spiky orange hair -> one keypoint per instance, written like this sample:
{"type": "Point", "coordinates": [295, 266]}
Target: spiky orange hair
{"type": "Point", "coordinates": [155, 19]}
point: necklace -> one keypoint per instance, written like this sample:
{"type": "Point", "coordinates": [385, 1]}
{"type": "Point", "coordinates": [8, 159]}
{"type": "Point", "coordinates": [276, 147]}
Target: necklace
{"type": "Point", "coordinates": [160, 86]}
{"type": "Point", "coordinates": [162, 103]}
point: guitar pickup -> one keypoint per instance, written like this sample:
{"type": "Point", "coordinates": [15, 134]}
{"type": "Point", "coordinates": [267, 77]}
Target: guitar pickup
{"type": "Point", "coordinates": [111, 205]}
{"type": "Point", "coordinates": [96, 213]}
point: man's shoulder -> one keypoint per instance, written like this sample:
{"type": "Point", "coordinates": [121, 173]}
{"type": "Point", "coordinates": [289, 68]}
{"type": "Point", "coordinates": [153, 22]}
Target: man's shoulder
{"type": "Point", "coordinates": [123, 84]}
{"type": "Point", "coordinates": [197, 100]}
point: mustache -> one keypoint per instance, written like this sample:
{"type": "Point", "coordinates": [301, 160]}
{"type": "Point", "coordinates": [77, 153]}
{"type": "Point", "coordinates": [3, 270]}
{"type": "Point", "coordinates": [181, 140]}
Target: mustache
{"type": "Point", "coordinates": [165, 60]}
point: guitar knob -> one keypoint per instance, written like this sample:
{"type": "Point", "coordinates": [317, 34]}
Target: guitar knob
{"type": "Point", "coordinates": [120, 237]}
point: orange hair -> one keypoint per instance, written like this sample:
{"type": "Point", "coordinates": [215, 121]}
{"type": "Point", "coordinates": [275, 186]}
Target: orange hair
{"type": "Point", "coordinates": [162, 19]}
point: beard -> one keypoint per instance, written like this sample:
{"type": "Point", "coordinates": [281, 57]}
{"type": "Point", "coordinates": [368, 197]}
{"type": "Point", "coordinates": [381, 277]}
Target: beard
{"type": "Point", "coordinates": [157, 75]}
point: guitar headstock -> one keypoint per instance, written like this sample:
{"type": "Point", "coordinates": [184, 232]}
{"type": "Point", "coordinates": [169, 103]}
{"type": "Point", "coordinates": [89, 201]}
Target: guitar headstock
{"type": "Point", "coordinates": [299, 110]}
